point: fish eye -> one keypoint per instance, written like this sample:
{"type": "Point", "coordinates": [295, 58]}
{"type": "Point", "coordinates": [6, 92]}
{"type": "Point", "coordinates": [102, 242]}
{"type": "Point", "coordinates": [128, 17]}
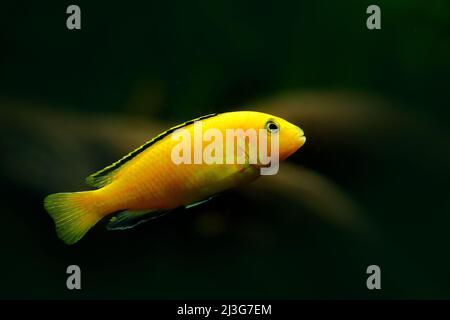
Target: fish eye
{"type": "Point", "coordinates": [272, 126]}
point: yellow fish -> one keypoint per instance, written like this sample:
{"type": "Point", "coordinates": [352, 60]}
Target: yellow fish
{"type": "Point", "coordinates": [172, 170]}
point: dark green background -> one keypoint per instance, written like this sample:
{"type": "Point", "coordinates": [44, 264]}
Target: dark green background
{"type": "Point", "coordinates": [188, 58]}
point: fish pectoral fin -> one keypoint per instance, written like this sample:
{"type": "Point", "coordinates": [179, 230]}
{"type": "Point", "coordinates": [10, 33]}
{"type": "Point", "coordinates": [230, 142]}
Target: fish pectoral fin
{"type": "Point", "coordinates": [129, 219]}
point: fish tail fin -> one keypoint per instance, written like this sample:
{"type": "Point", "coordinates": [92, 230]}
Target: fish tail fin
{"type": "Point", "coordinates": [73, 214]}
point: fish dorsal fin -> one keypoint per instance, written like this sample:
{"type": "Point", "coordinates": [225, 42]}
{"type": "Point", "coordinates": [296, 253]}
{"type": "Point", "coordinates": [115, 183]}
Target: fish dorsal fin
{"type": "Point", "coordinates": [106, 175]}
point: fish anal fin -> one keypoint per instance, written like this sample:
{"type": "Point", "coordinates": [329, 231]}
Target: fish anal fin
{"type": "Point", "coordinates": [129, 219]}
{"type": "Point", "coordinates": [197, 203]}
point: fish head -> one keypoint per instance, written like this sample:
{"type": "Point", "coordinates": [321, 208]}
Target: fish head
{"type": "Point", "coordinates": [290, 136]}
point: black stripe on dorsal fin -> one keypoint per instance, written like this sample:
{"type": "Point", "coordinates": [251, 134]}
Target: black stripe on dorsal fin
{"type": "Point", "coordinates": [106, 175]}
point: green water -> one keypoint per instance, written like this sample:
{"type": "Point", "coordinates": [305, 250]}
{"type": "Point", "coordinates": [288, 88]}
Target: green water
{"type": "Point", "coordinates": [173, 61]}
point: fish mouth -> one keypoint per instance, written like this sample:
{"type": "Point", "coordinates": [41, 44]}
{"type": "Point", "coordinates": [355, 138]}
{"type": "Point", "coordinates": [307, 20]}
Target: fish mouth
{"type": "Point", "coordinates": [302, 140]}
{"type": "Point", "coordinates": [301, 137]}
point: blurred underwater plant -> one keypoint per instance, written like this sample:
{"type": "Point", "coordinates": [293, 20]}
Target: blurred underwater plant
{"type": "Point", "coordinates": [45, 149]}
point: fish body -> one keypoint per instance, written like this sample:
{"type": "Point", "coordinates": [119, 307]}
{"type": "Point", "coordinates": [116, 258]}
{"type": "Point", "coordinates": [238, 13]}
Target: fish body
{"type": "Point", "coordinates": [148, 180]}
